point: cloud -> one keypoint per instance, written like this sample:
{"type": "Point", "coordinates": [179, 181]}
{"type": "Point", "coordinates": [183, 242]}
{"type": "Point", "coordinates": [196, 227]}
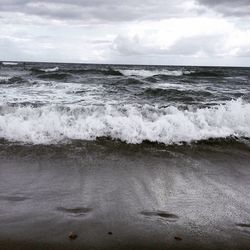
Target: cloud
{"type": "Point", "coordinates": [190, 37]}
{"type": "Point", "coordinates": [99, 10]}
{"type": "Point", "coordinates": [126, 31]}
{"type": "Point", "coordinates": [237, 8]}
{"type": "Point", "coordinates": [199, 45]}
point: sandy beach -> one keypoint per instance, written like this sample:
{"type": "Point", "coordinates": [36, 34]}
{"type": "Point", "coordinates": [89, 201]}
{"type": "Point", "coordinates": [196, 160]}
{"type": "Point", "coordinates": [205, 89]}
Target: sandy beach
{"type": "Point", "coordinates": [180, 197]}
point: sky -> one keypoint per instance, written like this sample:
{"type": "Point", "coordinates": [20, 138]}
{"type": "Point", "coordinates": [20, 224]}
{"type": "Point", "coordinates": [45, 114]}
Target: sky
{"type": "Point", "coordinates": [168, 32]}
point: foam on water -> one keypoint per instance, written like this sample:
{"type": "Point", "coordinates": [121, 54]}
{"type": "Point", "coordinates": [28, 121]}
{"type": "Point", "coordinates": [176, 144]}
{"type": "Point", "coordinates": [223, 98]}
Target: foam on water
{"type": "Point", "coordinates": [148, 73]}
{"type": "Point", "coordinates": [129, 123]}
{"type": "Point", "coordinates": [51, 92]}
{"type": "Point", "coordinates": [50, 69]}
{"type": "Point", "coordinates": [4, 79]}
{"type": "Point", "coordinates": [9, 63]}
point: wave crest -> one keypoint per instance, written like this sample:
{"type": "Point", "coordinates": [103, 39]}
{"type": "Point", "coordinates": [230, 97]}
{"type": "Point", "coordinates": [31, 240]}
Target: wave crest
{"type": "Point", "coordinates": [131, 124]}
{"type": "Point", "coordinates": [11, 80]}
{"type": "Point", "coordinates": [208, 73]}
{"type": "Point", "coordinates": [50, 69]}
{"type": "Point", "coordinates": [149, 73]}
{"type": "Point", "coordinates": [164, 73]}
{"type": "Point", "coordinates": [9, 63]}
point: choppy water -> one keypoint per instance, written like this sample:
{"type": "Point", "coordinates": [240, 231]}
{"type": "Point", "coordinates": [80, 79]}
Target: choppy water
{"type": "Point", "coordinates": [43, 103]}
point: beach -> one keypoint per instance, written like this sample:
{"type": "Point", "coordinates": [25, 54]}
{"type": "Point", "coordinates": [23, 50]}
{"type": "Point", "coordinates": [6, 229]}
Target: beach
{"type": "Point", "coordinates": [118, 196]}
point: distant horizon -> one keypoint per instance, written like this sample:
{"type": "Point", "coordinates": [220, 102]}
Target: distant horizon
{"type": "Point", "coordinates": [128, 64]}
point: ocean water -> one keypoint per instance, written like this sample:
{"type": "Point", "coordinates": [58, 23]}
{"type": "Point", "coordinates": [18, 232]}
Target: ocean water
{"type": "Point", "coordinates": [45, 103]}
{"type": "Point", "coordinates": [127, 157]}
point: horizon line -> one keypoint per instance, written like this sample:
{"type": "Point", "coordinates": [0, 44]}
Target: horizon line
{"type": "Point", "coordinates": [126, 64]}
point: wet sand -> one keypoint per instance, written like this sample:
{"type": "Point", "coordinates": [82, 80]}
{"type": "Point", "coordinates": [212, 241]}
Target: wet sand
{"type": "Point", "coordinates": [116, 196]}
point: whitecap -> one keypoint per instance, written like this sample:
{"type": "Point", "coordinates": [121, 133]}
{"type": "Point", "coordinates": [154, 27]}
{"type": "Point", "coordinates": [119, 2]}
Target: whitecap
{"type": "Point", "coordinates": [50, 69]}
{"type": "Point", "coordinates": [9, 63]}
{"type": "Point", "coordinates": [149, 73]}
{"type": "Point", "coordinates": [129, 123]}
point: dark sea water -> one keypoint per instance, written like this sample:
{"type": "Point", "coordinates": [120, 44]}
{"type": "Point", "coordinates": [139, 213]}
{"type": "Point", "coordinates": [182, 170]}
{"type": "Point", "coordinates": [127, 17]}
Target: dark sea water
{"type": "Point", "coordinates": [149, 153]}
{"type": "Point", "coordinates": [45, 103]}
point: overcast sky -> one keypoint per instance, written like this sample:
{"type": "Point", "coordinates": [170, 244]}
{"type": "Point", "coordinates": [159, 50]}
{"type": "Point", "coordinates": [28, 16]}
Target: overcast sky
{"type": "Point", "coordinates": [193, 32]}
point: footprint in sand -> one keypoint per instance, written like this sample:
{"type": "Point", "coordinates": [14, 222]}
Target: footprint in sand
{"type": "Point", "coordinates": [162, 214]}
{"type": "Point", "coordinates": [77, 211]}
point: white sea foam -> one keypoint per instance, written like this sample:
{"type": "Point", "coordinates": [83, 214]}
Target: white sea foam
{"type": "Point", "coordinates": [50, 69]}
{"type": "Point", "coordinates": [181, 86]}
{"type": "Point", "coordinates": [9, 63]}
{"type": "Point", "coordinates": [4, 79]}
{"type": "Point", "coordinates": [131, 124]}
{"type": "Point", "coordinates": [50, 92]}
{"type": "Point", "coordinates": [148, 73]}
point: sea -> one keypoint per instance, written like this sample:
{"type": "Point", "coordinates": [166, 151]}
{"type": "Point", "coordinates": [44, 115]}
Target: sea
{"type": "Point", "coordinates": [156, 155]}
{"type": "Point", "coordinates": [44, 103]}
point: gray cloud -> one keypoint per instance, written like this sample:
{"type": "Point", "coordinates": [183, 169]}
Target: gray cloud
{"type": "Point", "coordinates": [97, 10]}
{"type": "Point", "coordinates": [126, 31]}
{"type": "Point", "coordinates": [229, 7]}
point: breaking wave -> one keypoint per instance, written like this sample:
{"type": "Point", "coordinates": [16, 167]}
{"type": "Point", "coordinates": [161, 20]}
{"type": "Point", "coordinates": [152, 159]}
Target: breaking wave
{"type": "Point", "coordinates": [128, 123]}
{"type": "Point", "coordinates": [166, 73]}
{"type": "Point", "coordinates": [50, 69]}
{"type": "Point", "coordinates": [50, 73]}
{"type": "Point", "coordinates": [163, 73]}
{"type": "Point", "coordinates": [11, 80]}
{"type": "Point", "coordinates": [149, 73]}
{"type": "Point", "coordinates": [4, 79]}
{"type": "Point", "coordinates": [9, 63]}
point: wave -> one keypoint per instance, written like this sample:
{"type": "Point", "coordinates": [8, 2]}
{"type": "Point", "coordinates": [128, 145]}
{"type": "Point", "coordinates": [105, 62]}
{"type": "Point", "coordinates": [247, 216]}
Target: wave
{"type": "Point", "coordinates": [207, 73]}
{"type": "Point", "coordinates": [129, 81]}
{"type": "Point", "coordinates": [55, 76]}
{"type": "Point", "coordinates": [49, 69]}
{"type": "Point", "coordinates": [108, 71]}
{"type": "Point", "coordinates": [9, 63]}
{"type": "Point", "coordinates": [4, 79]}
{"type": "Point", "coordinates": [163, 74]}
{"type": "Point", "coordinates": [112, 72]}
{"type": "Point", "coordinates": [131, 124]}
{"type": "Point", "coordinates": [105, 71]}
{"type": "Point", "coordinates": [173, 93]}
{"type": "Point", "coordinates": [149, 73]}
{"type": "Point", "coordinates": [11, 80]}
{"type": "Point", "coordinates": [51, 75]}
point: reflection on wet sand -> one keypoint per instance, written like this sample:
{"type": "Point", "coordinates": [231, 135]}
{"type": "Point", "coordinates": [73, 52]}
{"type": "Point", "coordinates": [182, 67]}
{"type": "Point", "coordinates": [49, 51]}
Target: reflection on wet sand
{"type": "Point", "coordinates": [115, 198]}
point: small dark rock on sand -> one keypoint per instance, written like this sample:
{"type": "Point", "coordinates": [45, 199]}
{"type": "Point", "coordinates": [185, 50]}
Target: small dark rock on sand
{"type": "Point", "coordinates": [72, 236]}
{"type": "Point", "coordinates": [110, 233]}
{"type": "Point", "coordinates": [178, 238]}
